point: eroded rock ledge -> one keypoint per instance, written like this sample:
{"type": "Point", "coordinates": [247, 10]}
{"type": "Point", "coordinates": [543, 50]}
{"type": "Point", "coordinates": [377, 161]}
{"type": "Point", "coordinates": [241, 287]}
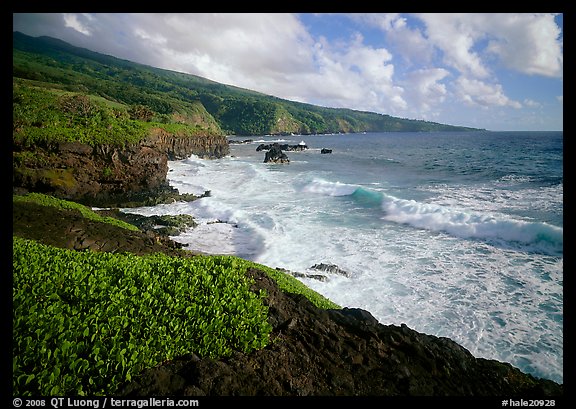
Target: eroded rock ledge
{"type": "Point", "coordinates": [105, 175]}
{"type": "Point", "coordinates": [345, 352]}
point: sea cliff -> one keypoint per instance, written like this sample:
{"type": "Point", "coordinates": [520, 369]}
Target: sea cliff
{"type": "Point", "coordinates": [108, 174]}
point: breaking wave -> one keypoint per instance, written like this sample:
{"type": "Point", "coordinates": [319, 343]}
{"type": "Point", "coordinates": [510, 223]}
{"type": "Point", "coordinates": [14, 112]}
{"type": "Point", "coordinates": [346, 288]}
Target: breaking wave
{"type": "Point", "coordinates": [538, 236]}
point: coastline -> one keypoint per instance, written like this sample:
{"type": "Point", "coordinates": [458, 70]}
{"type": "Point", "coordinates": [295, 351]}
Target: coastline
{"type": "Point", "coordinates": [107, 144]}
{"type": "Point", "coordinates": [345, 351]}
{"type": "Point", "coordinates": [484, 317]}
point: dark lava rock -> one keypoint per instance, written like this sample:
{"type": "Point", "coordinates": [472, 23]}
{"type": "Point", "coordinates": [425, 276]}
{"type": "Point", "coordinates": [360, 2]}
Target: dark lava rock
{"type": "Point", "coordinates": [275, 155]}
{"type": "Point", "coordinates": [284, 147]}
{"type": "Point", "coordinates": [346, 352]}
{"type": "Point", "coordinates": [166, 225]}
{"type": "Point", "coordinates": [312, 352]}
{"type": "Point", "coordinates": [69, 229]}
{"type": "Point", "coordinates": [330, 268]}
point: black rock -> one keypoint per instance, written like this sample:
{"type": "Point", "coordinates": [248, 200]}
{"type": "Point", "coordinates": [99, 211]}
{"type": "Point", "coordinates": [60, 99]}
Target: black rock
{"type": "Point", "coordinates": [330, 268]}
{"type": "Point", "coordinates": [275, 155]}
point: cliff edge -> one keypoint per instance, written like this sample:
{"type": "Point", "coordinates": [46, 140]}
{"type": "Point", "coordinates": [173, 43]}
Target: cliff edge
{"type": "Point", "coordinates": [105, 174]}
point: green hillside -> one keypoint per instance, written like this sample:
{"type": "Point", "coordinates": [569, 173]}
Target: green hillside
{"type": "Point", "coordinates": [170, 97]}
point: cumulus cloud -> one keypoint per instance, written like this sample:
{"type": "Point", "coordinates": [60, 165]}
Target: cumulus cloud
{"type": "Point", "coordinates": [408, 42]}
{"type": "Point", "coordinates": [479, 93]}
{"type": "Point", "coordinates": [358, 74]}
{"type": "Point", "coordinates": [525, 42]}
{"type": "Point", "coordinates": [417, 67]}
{"type": "Point", "coordinates": [473, 46]}
{"type": "Point", "coordinates": [425, 89]}
{"type": "Point", "coordinates": [531, 103]}
{"type": "Point", "coordinates": [455, 35]}
{"type": "Point", "coordinates": [528, 43]}
{"type": "Point", "coordinates": [237, 47]}
{"type": "Point", "coordinates": [73, 21]}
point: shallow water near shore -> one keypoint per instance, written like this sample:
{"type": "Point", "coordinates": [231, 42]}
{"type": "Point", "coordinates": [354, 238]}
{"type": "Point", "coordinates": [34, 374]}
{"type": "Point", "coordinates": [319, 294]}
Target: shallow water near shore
{"type": "Point", "coordinates": [457, 235]}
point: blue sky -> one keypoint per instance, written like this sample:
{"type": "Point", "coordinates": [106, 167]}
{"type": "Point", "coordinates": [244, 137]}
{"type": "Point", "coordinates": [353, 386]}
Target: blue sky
{"type": "Point", "coordinates": [497, 71]}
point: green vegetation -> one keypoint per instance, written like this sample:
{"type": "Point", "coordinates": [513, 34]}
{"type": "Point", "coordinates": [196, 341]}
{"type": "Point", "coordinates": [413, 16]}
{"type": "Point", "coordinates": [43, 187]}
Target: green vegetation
{"type": "Point", "coordinates": [85, 211]}
{"type": "Point", "coordinates": [84, 322]}
{"type": "Point", "coordinates": [148, 94]}
{"type": "Point", "coordinates": [291, 285]}
{"type": "Point", "coordinates": [44, 114]}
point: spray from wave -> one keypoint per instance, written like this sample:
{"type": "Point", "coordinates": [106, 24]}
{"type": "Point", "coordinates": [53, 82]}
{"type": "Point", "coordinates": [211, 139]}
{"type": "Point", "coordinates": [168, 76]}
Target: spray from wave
{"type": "Point", "coordinates": [536, 236]}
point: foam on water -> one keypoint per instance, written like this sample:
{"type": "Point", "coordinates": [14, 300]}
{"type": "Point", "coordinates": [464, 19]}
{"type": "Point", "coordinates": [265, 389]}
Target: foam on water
{"type": "Point", "coordinates": [456, 221]}
{"type": "Point", "coordinates": [448, 260]}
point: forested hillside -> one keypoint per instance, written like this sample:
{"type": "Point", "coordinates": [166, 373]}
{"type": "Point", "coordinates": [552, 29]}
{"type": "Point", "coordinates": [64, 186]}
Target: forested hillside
{"type": "Point", "coordinates": [168, 97]}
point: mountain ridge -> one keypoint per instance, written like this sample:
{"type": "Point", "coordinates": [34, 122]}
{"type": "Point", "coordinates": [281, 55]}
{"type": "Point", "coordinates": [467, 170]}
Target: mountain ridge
{"type": "Point", "coordinates": [85, 130]}
{"type": "Point", "coordinates": [238, 111]}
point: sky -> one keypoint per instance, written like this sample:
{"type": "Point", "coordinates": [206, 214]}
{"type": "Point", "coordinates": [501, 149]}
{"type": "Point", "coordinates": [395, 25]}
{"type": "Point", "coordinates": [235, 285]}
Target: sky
{"type": "Point", "coordinates": [496, 71]}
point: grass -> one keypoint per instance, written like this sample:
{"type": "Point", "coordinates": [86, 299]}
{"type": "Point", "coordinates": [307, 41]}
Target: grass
{"type": "Point", "coordinates": [46, 200]}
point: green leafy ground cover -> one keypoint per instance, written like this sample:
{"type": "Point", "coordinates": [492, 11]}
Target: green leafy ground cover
{"type": "Point", "coordinates": [84, 322]}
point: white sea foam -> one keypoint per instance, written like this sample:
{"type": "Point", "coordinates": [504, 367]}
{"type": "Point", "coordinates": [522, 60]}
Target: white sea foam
{"type": "Point", "coordinates": [323, 187]}
{"type": "Point", "coordinates": [448, 260]}
{"type": "Point", "coordinates": [455, 221]}
{"type": "Point", "coordinates": [487, 198]}
{"type": "Point", "coordinates": [465, 224]}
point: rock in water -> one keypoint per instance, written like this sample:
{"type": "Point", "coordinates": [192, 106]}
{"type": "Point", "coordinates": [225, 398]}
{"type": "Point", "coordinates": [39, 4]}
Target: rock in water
{"type": "Point", "coordinates": [275, 155]}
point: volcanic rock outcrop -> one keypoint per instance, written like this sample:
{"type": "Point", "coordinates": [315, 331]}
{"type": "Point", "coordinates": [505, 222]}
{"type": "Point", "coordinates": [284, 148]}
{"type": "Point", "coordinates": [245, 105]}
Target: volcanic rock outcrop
{"type": "Point", "coordinates": [275, 155]}
{"type": "Point", "coordinates": [104, 175]}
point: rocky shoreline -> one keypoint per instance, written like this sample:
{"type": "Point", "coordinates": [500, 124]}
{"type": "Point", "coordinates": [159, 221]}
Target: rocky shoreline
{"type": "Point", "coordinates": [313, 352]}
{"type": "Point", "coordinates": [108, 175]}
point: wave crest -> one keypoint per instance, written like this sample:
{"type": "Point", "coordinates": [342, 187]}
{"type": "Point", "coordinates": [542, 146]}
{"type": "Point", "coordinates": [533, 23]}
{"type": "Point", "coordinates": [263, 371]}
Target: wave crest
{"type": "Point", "coordinates": [462, 224]}
{"type": "Point", "coordinates": [322, 187]}
{"type": "Point", "coordinates": [539, 236]}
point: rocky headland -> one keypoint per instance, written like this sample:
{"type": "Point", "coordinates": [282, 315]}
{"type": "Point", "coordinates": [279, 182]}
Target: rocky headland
{"type": "Point", "coordinates": [107, 175]}
{"type": "Point", "coordinates": [313, 352]}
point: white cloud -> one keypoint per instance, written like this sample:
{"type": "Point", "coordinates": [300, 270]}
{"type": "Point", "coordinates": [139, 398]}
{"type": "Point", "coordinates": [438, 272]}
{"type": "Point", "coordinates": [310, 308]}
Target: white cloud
{"type": "Point", "coordinates": [424, 89]}
{"type": "Point", "coordinates": [238, 47]}
{"type": "Point", "coordinates": [153, 39]}
{"type": "Point", "coordinates": [372, 86]}
{"type": "Point", "coordinates": [73, 21]}
{"type": "Point", "coordinates": [408, 42]}
{"type": "Point", "coordinates": [531, 103]}
{"type": "Point", "coordinates": [528, 43]}
{"type": "Point", "coordinates": [455, 35]}
{"type": "Point", "coordinates": [479, 93]}
{"type": "Point", "coordinates": [466, 44]}
{"type": "Point", "coordinates": [351, 74]}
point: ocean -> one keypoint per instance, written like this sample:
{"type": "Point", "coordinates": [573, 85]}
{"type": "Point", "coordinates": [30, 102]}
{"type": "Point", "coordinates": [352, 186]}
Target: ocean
{"type": "Point", "coordinates": [455, 234]}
